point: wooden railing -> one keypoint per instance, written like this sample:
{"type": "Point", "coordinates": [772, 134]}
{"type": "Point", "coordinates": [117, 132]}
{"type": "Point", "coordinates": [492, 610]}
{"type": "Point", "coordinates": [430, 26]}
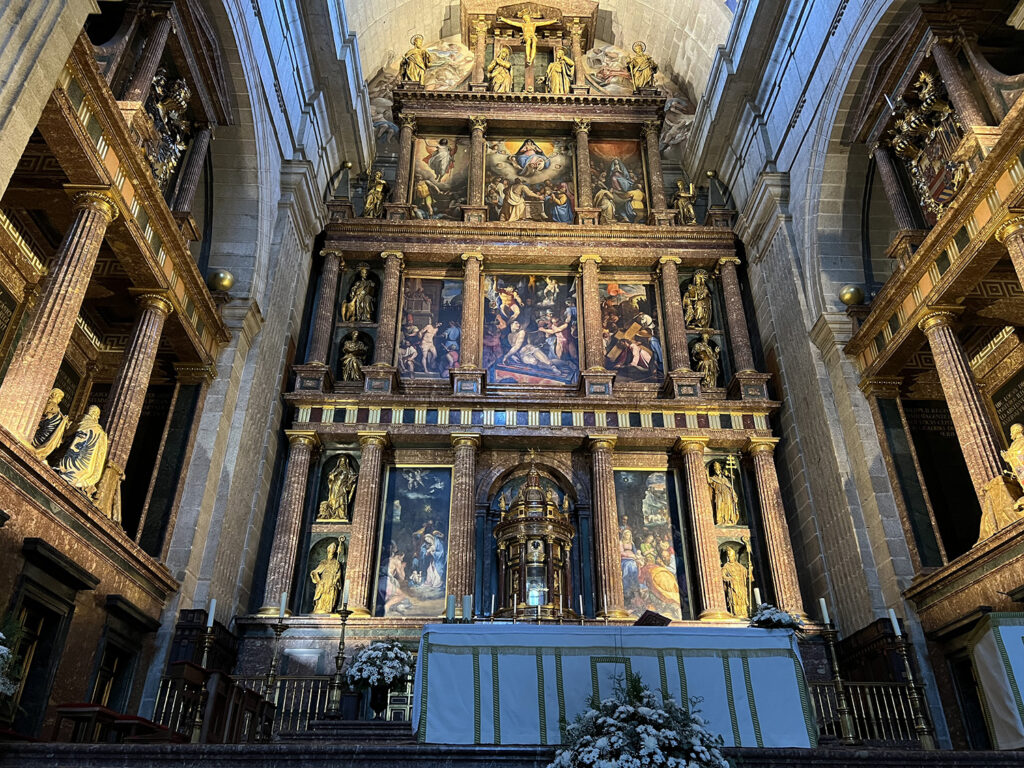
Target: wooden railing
{"type": "Point", "coordinates": [299, 699]}
{"type": "Point", "coordinates": [881, 712]}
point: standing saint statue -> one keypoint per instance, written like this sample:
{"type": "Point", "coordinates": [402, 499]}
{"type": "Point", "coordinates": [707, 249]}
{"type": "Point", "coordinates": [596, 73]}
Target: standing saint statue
{"type": "Point", "coordinates": [353, 357]}
{"type": "Point", "coordinates": [83, 462]}
{"type": "Point", "coordinates": [682, 201]}
{"type": "Point", "coordinates": [1014, 455]}
{"type": "Point", "coordinates": [415, 61]}
{"type": "Point", "coordinates": [341, 489]}
{"type": "Point", "coordinates": [641, 67]}
{"type": "Point", "coordinates": [360, 304]}
{"type": "Point", "coordinates": [499, 72]}
{"type": "Point", "coordinates": [327, 577]}
{"type": "Point", "coordinates": [51, 426]}
{"type": "Point", "coordinates": [529, 26]}
{"type": "Point", "coordinates": [736, 577]}
{"type": "Point", "coordinates": [560, 72]}
{"type": "Point", "coordinates": [706, 356]}
{"type": "Point", "coordinates": [376, 191]}
{"type": "Point", "coordinates": [724, 500]}
{"type": "Point", "coordinates": [697, 301]}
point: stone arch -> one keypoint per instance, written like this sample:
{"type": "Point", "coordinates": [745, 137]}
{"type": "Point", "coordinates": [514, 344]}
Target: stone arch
{"type": "Point", "coordinates": [563, 472]}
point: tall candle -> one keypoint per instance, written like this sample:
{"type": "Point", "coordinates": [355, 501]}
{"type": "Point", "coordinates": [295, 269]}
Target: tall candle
{"type": "Point", "coordinates": [344, 597]}
{"type": "Point", "coordinates": [895, 623]}
{"type": "Point", "coordinates": [515, 603]}
{"type": "Point", "coordinates": [824, 610]}
{"type": "Point", "coordinates": [581, 605]}
{"type": "Point", "coordinates": [450, 611]}
{"type": "Point", "coordinates": [467, 607]}
{"type": "Point", "coordinates": [213, 610]}
{"type": "Point", "coordinates": [492, 605]}
{"type": "Point", "coordinates": [284, 602]}
{"type": "Point", "coordinates": [757, 596]}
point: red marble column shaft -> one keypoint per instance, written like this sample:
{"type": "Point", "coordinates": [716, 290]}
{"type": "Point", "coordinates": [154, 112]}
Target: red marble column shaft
{"type": "Point", "coordinates": [966, 106]}
{"type": "Point", "coordinates": [365, 511]}
{"type": "Point", "coordinates": [462, 530]}
{"type": "Point", "coordinates": [149, 61]}
{"type": "Point", "coordinates": [188, 179]}
{"type": "Point", "coordinates": [469, 349]}
{"type": "Point", "coordinates": [776, 531]}
{"type": "Point", "coordinates": [400, 194]}
{"type": "Point", "coordinates": [576, 43]}
{"type": "Point", "coordinates": [584, 186]}
{"type": "Point", "coordinates": [652, 134]}
{"type": "Point", "coordinates": [475, 193]}
{"type": "Point", "coordinates": [36, 360]}
{"type": "Point", "coordinates": [606, 529]}
{"type": "Point", "coordinates": [387, 308]}
{"type": "Point", "coordinates": [1011, 235]}
{"type": "Point", "coordinates": [974, 429]}
{"type": "Point", "coordinates": [288, 530]}
{"type": "Point", "coordinates": [739, 337]}
{"type": "Point", "coordinates": [893, 188]}
{"type": "Point", "coordinates": [326, 299]}
{"type": "Point", "coordinates": [593, 340]}
{"type": "Point", "coordinates": [708, 566]}
{"type": "Point", "coordinates": [675, 325]}
{"type": "Point", "coordinates": [480, 28]}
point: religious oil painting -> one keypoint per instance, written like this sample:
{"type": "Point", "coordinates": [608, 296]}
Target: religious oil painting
{"type": "Point", "coordinates": [431, 328]}
{"type": "Point", "coordinates": [650, 546]}
{"type": "Point", "coordinates": [531, 333]}
{"type": "Point", "coordinates": [530, 180]}
{"type": "Point", "coordinates": [631, 345]}
{"type": "Point", "coordinates": [440, 177]}
{"type": "Point", "coordinates": [414, 542]}
{"type": "Point", "coordinates": [617, 180]}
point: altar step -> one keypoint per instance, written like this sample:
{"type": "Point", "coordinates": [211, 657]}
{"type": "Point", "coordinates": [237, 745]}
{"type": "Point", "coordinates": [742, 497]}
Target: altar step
{"type": "Point", "coordinates": [353, 732]}
{"type": "Point", "coordinates": [324, 754]}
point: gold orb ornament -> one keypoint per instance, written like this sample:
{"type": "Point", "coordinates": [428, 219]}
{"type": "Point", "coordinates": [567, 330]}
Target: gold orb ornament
{"type": "Point", "coordinates": [220, 280]}
{"type": "Point", "coordinates": [851, 295]}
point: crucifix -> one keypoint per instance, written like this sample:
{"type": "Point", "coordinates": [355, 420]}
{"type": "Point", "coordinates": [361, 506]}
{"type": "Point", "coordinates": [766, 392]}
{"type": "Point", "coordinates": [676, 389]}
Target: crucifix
{"type": "Point", "coordinates": [528, 24]}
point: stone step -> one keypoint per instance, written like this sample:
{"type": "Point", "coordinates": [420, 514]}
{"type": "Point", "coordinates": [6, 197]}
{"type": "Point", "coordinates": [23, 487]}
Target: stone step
{"type": "Point", "coordinates": [353, 732]}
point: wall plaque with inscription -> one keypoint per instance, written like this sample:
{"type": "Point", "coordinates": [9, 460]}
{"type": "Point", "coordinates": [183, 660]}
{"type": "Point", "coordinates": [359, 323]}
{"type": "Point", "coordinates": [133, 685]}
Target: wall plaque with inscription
{"type": "Point", "coordinates": [1009, 402]}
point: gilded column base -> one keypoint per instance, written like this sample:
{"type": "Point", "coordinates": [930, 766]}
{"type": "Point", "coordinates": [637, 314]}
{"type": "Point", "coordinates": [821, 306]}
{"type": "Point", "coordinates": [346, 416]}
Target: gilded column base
{"type": "Point", "coordinates": [614, 614]}
{"type": "Point", "coordinates": [467, 381]}
{"type": "Point", "coordinates": [662, 217]}
{"type": "Point", "coordinates": [474, 214]}
{"type": "Point", "coordinates": [379, 379]}
{"type": "Point", "coordinates": [681, 384]}
{"type": "Point", "coordinates": [588, 216]}
{"type": "Point", "coordinates": [478, 87]}
{"type": "Point", "coordinates": [272, 610]}
{"type": "Point", "coordinates": [716, 616]}
{"type": "Point", "coordinates": [597, 382]}
{"type": "Point", "coordinates": [313, 377]}
{"type": "Point", "coordinates": [397, 211]}
{"type": "Point", "coordinates": [749, 385]}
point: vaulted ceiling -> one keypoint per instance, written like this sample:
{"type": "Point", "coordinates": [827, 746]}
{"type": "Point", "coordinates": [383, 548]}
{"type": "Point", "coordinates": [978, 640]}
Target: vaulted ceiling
{"type": "Point", "coordinates": [682, 35]}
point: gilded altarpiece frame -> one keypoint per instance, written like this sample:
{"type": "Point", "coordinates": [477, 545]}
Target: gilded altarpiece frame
{"type": "Point", "coordinates": [632, 329]}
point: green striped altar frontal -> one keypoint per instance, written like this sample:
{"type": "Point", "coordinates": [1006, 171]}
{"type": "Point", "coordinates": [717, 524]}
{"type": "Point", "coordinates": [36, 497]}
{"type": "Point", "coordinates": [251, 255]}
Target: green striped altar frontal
{"type": "Point", "coordinates": [997, 654]}
{"type": "Point", "coordinates": [523, 684]}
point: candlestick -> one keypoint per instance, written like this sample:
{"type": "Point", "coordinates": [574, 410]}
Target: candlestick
{"type": "Point", "coordinates": [895, 623]}
{"type": "Point", "coordinates": [921, 727]}
{"type": "Point", "coordinates": [284, 602]}
{"type": "Point", "coordinates": [211, 612]}
{"type": "Point", "coordinates": [335, 687]}
{"type": "Point", "coordinates": [757, 596]}
{"type": "Point", "coordinates": [344, 597]}
{"type": "Point", "coordinates": [824, 611]}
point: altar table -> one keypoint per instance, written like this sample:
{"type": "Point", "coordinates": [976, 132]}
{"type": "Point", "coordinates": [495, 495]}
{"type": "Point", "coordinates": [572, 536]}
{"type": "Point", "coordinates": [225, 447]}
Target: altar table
{"type": "Point", "coordinates": [523, 684]}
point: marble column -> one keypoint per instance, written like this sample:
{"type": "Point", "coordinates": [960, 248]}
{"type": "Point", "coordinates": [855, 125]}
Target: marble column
{"type": "Point", "coordinates": [149, 61]}
{"type": "Point", "coordinates": [576, 43]}
{"type": "Point", "coordinates": [779, 546]}
{"type": "Point", "coordinates": [480, 29]}
{"type": "Point", "coordinates": [966, 106]}
{"type": "Point", "coordinates": [326, 299]}
{"type": "Point", "coordinates": [472, 316]}
{"type": "Point", "coordinates": [462, 529]}
{"type": "Point", "coordinates": [400, 194]}
{"type": "Point", "coordinates": [387, 308]}
{"type": "Point", "coordinates": [593, 346]}
{"type": "Point", "coordinates": [584, 188]}
{"type": "Point", "coordinates": [1011, 235]}
{"type": "Point", "coordinates": [288, 529]}
{"type": "Point", "coordinates": [478, 126]}
{"type": "Point", "coordinates": [606, 528]}
{"type": "Point", "coordinates": [974, 429]}
{"type": "Point", "coordinates": [362, 551]}
{"type": "Point", "coordinates": [675, 325]}
{"type": "Point", "coordinates": [188, 178]}
{"type": "Point", "coordinates": [739, 337]}
{"type": "Point", "coordinates": [708, 565]}
{"type": "Point", "coordinates": [127, 394]}
{"type": "Point", "coordinates": [893, 188]}
{"type": "Point", "coordinates": [40, 350]}
{"type": "Point", "coordinates": [652, 135]}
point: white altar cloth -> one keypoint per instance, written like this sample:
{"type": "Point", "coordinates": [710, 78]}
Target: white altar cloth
{"type": "Point", "coordinates": [997, 650]}
{"type": "Point", "coordinates": [523, 684]}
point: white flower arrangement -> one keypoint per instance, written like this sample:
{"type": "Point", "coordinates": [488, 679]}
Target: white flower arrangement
{"type": "Point", "coordinates": [633, 729]}
{"type": "Point", "coordinates": [7, 686]}
{"type": "Point", "coordinates": [383, 663]}
{"type": "Point", "coordinates": [767, 616]}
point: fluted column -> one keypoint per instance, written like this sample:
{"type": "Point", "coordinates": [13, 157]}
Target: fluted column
{"type": "Point", "coordinates": [606, 528]}
{"type": "Point", "coordinates": [405, 137]}
{"type": "Point", "coordinates": [288, 529]}
{"type": "Point", "coordinates": [36, 360]}
{"type": "Point", "coordinates": [149, 61]}
{"type": "Point", "coordinates": [478, 126]}
{"type": "Point", "coordinates": [974, 429]}
{"type": "Point", "coordinates": [365, 511]}
{"type": "Point", "coordinates": [327, 295]}
{"type": "Point", "coordinates": [593, 346]}
{"type": "Point", "coordinates": [739, 337]}
{"type": "Point", "coordinates": [584, 190]}
{"type": "Point", "coordinates": [469, 351]}
{"type": "Point", "coordinates": [702, 526]}
{"type": "Point", "coordinates": [779, 546]}
{"type": "Point", "coordinates": [675, 325]}
{"type": "Point", "coordinates": [967, 107]}
{"type": "Point", "coordinates": [480, 29]}
{"type": "Point", "coordinates": [576, 43]}
{"type": "Point", "coordinates": [893, 188]}
{"type": "Point", "coordinates": [127, 394]}
{"type": "Point", "coordinates": [462, 530]}
{"type": "Point", "coordinates": [652, 134]}
{"type": "Point", "coordinates": [1011, 235]}
{"type": "Point", "coordinates": [388, 308]}
{"type": "Point", "coordinates": [188, 178]}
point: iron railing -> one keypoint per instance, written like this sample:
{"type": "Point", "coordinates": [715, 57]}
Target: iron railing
{"type": "Point", "coordinates": [299, 699]}
{"type": "Point", "coordinates": [881, 712]}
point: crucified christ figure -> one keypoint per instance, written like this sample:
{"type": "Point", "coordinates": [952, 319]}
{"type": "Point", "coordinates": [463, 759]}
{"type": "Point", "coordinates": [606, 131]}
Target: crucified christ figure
{"type": "Point", "coordinates": [529, 26]}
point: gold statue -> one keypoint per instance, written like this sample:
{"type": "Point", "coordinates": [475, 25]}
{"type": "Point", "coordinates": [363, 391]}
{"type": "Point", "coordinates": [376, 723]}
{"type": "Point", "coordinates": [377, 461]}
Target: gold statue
{"type": "Point", "coordinates": [341, 488]}
{"type": "Point", "coordinates": [723, 495]}
{"type": "Point", "coordinates": [359, 306]}
{"type": "Point", "coordinates": [327, 577]}
{"type": "Point", "coordinates": [415, 61]}
{"type": "Point", "coordinates": [560, 72]}
{"type": "Point", "coordinates": [83, 462]}
{"type": "Point", "coordinates": [499, 72]}
{"type": "Point", "coordinates": [353, 356]}
{"type": "Point", "coordinates": [682, 201]}
{"type": "Point", "coordinates": [697, 301]}
{"type": "Point", "coordinates": [707, 355]}
{"type": "Point", "coordinates": [1014, 455]}
{"type": "Point", "coordinates": [736, 577]}
{"type": "Point", "coordinates": [376, 191]}
{"type": "Point", "coordinates": [51, 426]}
{"type": "Point", "coordinates": [641, 67]}
{"type": "Point", "coordinates": [529, 26]}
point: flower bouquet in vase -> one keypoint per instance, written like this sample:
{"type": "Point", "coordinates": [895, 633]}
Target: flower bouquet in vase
{"type": "Point", "coordinates": [380, 667]}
